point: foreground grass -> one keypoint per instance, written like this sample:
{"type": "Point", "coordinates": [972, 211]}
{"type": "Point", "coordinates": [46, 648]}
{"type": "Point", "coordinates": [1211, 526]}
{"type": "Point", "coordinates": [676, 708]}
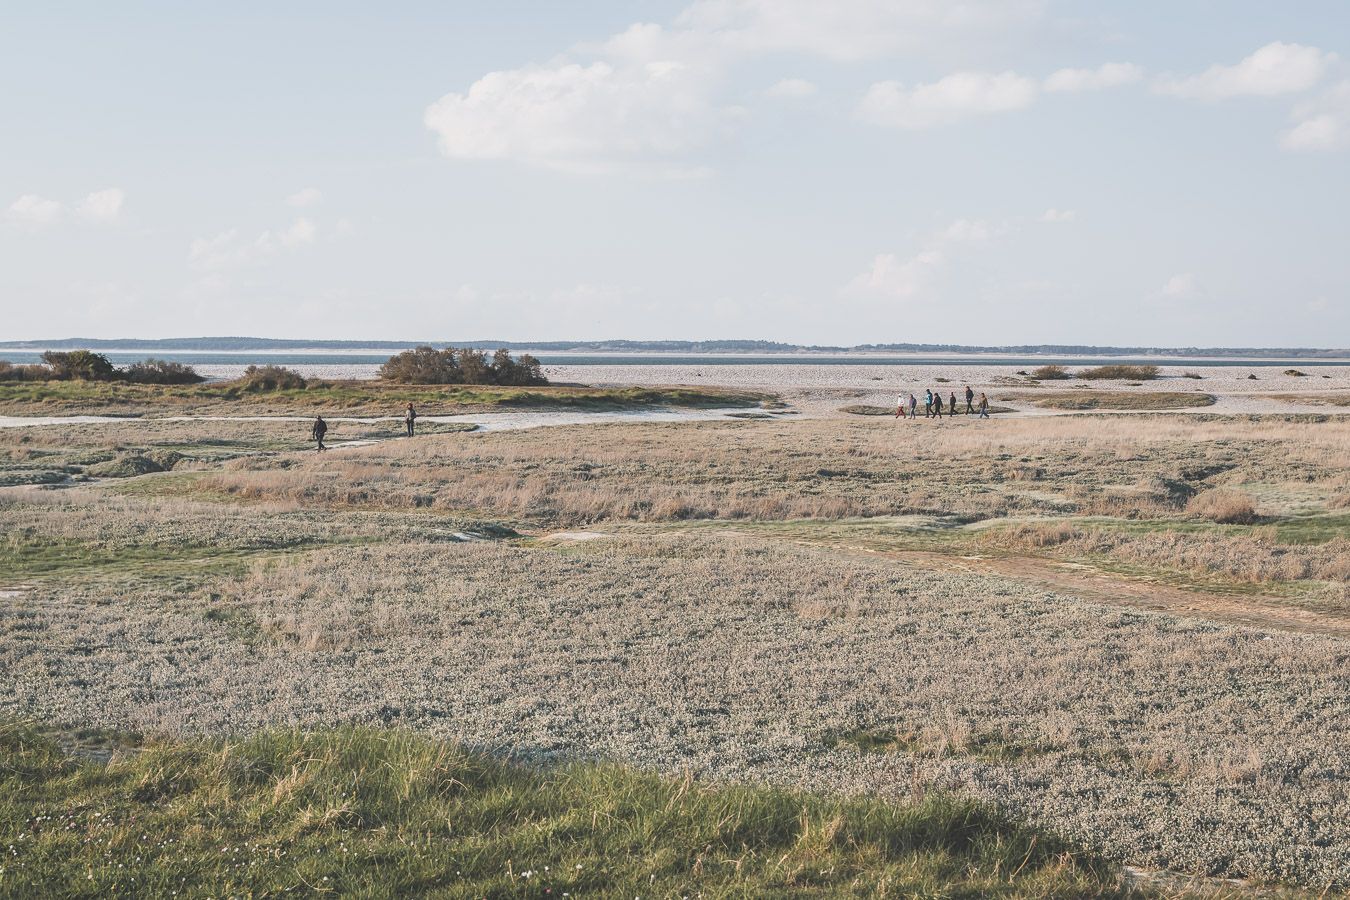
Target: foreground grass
{"type": "Point", "coordinates": [384, 813]}
{"type": "Point", "coordinates": [341, 397]}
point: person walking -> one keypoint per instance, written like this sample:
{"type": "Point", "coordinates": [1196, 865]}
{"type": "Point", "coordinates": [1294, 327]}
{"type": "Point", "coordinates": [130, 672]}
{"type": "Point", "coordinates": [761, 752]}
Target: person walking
{"type": "Point", "coordinates": [409, 418]}
{"type": "Point", "coordinates": [900, 407]}
{"type": "Point", "coordinates": [913, 406]}
{"type": "Point", "coordinates": [928, 404]}
{"type": "Point", "coordinates": [318, 431]}
{"type": "Point", "coordinates": [937, 406]}
{"type": "Point", "coordinates": [951, 407]}
{"type": "Point", "coordinates": [970, 396]}
{"type": "Point", "coordinates": [984, 406]}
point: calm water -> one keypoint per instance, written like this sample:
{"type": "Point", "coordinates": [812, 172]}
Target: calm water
{"type": "Point", "coordinates": [292, 358]}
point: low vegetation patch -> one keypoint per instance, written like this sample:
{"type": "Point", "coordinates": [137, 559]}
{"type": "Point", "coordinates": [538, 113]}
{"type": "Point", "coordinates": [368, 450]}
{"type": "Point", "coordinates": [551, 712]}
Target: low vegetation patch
{"type": "Point", "coordinates": [859, 409]}
{"type": "Point", "coordinates": [85, 365]}
{"type": "Point", "coordinates": [1120, 373]}
{"type": "Point", "coordinates": [1050, 373]}
{"type": "Point", "coordinates": [272, 393]}
{"type": "Point", "coordinates": [1119, 400]}
{"type": "Point", "coordinates": [358, 811]}
{"type": "Point", "coordinates": [257, 379]}
{"type": "Point", "coordinates": [1226, 506]}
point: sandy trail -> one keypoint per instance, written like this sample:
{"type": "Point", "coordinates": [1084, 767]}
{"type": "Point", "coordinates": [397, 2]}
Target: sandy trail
{"type": "Point", "coordinates": [1136, 592]}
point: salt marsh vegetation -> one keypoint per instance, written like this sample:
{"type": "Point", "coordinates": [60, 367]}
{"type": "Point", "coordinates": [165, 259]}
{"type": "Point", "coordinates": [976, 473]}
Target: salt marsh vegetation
{"type": "Point", "coordinates": [779, 605]}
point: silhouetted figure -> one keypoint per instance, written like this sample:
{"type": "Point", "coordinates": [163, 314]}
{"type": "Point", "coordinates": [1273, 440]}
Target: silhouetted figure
{"type": "Point", "coordinates": [970, 397]}
{"type": "Point", "coordinates": [937, 406]}
{"type": "Point", "coordinates": [951, 408]}
{"type": "Point", "coordinates": [410, 418]}
{"type": "Point", "coordinates": [318, 431]}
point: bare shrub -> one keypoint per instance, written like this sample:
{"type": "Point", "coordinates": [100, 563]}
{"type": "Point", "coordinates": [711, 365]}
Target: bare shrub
{"type": "Point", "coordinates": [1050, 373]}
{"type": "Point", "coordinates": [1226, 506]}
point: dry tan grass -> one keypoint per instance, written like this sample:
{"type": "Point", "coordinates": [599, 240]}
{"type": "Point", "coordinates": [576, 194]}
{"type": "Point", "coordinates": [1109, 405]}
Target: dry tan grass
{"type": "Point", "coordinates": [1138, 467]}
{"type": "Point", "coordinates": [1254, 558]}
{"type": "Point", "coordinates": [1223, 505]}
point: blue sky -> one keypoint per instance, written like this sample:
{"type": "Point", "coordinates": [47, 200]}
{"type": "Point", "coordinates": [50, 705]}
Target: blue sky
{"type": "Point", "coordinates": [995, 171]}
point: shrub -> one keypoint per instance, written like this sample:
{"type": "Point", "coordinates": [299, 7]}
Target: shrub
{"type": "Point", "coordinates": [1121, 373]}
{"type": "Point", "coordinates": [11, 372]}
{"type": "Point", "coordinates": [423, 365]}
{"type": "Point", "coordinates": [270, 378]}
{"type": "Point", "coordinates": [427, 365]}
{"type": "Point", "coordinates": [161, 371]}
{"type": "Point", "coordinates": [79, 365]}
{"type": "Point", "coordinates": [523, 372]}
{"type": "Point", "coordinates": [1050, 373]}
{"type": "Point", "coordinates": [1296, 373]}
{"type": "Point", "coordinates": [1223, 505]}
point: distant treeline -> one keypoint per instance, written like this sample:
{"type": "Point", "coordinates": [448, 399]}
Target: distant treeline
{"type": "Point", "coordinates": [223, 344]}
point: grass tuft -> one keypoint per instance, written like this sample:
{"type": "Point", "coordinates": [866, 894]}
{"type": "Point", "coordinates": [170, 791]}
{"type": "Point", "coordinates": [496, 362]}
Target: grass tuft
{"type": "Point", "coordinates": [372, 812]}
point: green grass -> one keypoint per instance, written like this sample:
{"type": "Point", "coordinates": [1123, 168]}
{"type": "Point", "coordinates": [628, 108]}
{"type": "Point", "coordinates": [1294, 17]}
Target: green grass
{"type": "Point", "coordinates": [368, 812]}
{"type": "Point", "coordinates": [341, 397]}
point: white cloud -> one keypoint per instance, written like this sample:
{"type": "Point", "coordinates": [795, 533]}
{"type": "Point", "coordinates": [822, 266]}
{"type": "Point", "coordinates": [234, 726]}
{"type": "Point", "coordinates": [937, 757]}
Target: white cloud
{"type": "Point", "coordinates": [1321, 124]}
{"type": "Point", "coordinates": [1108, 75]}
{"type": "Point", "coordinates": [1182, 287]}
{"type": "Point", "coordinates": [215, 252]}
{"type": "Point", "coordinates": [891, 276]}
{"type": "Point", "coordinates": [305, 197]}
{"type": "Point", "coordinates": [650, 97]}
{"type": "Point", "coordinates": [102, 206]}
{"type": "Point", "coordinates": [229, 249]}
{"type": "Point", "coordinates": [587, 118]}
{"type": "Point", "coordinates": [949, 100]}
{"type": "Point", "coordinates": [851, 30]}
{"type": "Point", "coordinates": [302, 231]}
{"type": "Point", "coordinates": [1275, 69]}
{"type": "Point", "coordinates": [35, 210]}
{"type": "Point", "coordinates": [793, 89]}
{"type": "Point", "coordinates": [1058, 215]}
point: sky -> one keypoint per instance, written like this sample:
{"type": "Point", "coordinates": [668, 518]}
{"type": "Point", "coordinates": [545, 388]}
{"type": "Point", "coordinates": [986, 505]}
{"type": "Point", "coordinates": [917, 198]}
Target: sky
{"type": "Point", "coordinates": [861, 171]}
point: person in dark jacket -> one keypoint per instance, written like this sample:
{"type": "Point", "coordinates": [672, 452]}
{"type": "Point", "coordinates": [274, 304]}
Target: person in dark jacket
{"type": "Point", "coordinates": [318, 431]}
{"type": "Point", "coordinates": [937, 405]}
{"type": "Point", "coordinates": [970, 401]}
{"type": "Point", "coordinates": [410, 418]}
{"type": "Point", "coordinates": [951, 408]}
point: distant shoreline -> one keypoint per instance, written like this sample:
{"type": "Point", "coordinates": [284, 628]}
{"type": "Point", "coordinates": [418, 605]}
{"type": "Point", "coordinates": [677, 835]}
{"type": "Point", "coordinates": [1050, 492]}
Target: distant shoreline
{"type": "Point", "coordinates": [684, 349]}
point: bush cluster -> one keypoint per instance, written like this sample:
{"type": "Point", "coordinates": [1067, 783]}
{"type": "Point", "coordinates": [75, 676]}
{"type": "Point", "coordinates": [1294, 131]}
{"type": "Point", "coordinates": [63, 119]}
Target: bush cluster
{"type": "Point", "coordinates": [1121, 373]}
{"type": "Point", "coordinates": [257, 379]}
{"type": "Point", "coordinates": [86, 365]}
{"type": "Point", "coordinates": [1050, 373]}
{"type": "Point", "coordinates": [427, 365]}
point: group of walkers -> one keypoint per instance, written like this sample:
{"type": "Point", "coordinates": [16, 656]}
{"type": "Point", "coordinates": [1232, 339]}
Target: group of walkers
{"type": "Point", "coordinates": [320, 427]}
{"type": "Point", "coordinates": [933, 405]}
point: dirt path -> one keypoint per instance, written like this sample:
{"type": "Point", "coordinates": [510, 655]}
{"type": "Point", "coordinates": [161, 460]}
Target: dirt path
{"type": "Point", "coordinates": [1115, 589]}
